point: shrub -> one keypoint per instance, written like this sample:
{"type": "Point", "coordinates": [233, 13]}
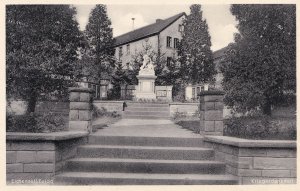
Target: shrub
{"type": "Point", "coordinates": [101, 112]}
{"type": "Point", "coordinates": [98, 112]}
{"type": "Point", "coordinates": [22, 123]}
{"type": "Point", "coordinates": [263, 127]}
{"type": "Point", "coordinates": [196, 114]}
{"type": "Point", "coordinates": [35, 123]}
{"type": "Point", "coordinates": [179, 115]}
{"type": "Point", "coordinates": [51, 122]}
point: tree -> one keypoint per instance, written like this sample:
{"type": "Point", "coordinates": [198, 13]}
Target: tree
{"type": "Point", "coordinates": [100, 38]}
{"type": "Point", "coordinates": [119, 78]}
{"type": "Point", "coordinates": [261, 64]}
{"type": "Point", "coordinates": [41, 45]}
{"type": "Point", "coordinates": [195, 53]}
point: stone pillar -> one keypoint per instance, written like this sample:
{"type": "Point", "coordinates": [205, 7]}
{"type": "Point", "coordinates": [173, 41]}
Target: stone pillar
{"type": "Point", "coordinates": [80, 116]}
{"type": "Point", "coordinates": [211, 113]}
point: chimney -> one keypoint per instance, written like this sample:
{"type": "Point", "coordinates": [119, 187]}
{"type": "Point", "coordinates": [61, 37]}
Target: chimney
{"type": "Point", "coordinates": [158, 20]}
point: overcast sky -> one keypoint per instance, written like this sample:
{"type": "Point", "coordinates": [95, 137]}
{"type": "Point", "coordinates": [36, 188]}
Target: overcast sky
{"type": "Point", "coordinates": [220, 21]}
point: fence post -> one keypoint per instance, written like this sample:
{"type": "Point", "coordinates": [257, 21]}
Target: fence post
{"type": "Point", "coordinates": [211, 112]}
{"type": "Point", "coordinates": [80, 115]}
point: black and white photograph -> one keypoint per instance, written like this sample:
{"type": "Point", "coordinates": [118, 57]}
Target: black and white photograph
{"type": "Point", "coordinates": [150, 94]}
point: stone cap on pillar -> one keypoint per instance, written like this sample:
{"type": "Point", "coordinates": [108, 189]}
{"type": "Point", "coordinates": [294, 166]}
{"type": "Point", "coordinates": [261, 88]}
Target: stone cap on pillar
{"type": "Point", "coordinates": [211, 92]}
{"type": "Point", "coordinates": [81, 89]}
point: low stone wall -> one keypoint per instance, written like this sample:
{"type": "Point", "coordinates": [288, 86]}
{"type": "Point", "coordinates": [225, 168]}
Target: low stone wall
{"type": "Point", "coordinates": [110, 105]}
{"type": "Point", "coordinates": [39, 156]}
{"type": "Point", "coordinates": [188, 108]}
{"type": "Point", "coordinates": [256, 161]}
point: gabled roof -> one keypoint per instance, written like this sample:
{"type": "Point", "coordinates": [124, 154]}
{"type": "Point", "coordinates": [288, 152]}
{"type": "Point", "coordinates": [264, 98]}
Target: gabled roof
{"type": "Point", "coordinates": [146, 31]}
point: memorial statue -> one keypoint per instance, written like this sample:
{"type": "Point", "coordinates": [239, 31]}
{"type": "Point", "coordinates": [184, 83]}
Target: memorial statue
{"type": "Point", "coordinates": [147, 67]}
{"type": "Point", "coordinates": [146, 80]}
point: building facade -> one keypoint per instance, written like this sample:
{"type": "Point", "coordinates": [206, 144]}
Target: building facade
{"type": "Point", "coordinates": [192, 91]}
{"type": "Point", "coordinates": [162, 36]}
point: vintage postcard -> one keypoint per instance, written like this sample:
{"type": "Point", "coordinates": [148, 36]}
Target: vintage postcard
{"type": "Point", "coordinates": [150, 94]}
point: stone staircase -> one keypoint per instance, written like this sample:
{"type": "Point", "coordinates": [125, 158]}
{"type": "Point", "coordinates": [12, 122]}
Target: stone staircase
{"type": "Point", "coordinates": [146, 110]}
{"type": "Point", "coordinates": [137, 160]}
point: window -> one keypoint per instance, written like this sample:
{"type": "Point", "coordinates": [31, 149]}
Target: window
{"type": "Point", "coordinates": [97, 92]}
{"type": "Point", "coordinates": [128, 49]}
{"type": "Point", "coordinates": [198, 90]}
{"type": "Point", "coordinates": [94, 88]}
{"type": "Point", "coordinates": [120, 52]}
{"type": "Point", "coordinates": [176, 42]}
{"type": "Point", "coordinates": [193, 93]}
{"type": "Point", "coordinates": [202, 88]}
{"type": "Point", "coordinates": [169, 61]}
{"type": "Point", "coordinates": [169, 41]}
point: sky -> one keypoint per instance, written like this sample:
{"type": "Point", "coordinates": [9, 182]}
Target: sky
{"type": "Point", "coordinates": [220, 22]}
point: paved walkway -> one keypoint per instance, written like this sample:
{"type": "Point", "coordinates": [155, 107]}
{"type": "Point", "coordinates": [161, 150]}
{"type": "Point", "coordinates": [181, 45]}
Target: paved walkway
{"type": "Point", "coordinates": [146, 128]}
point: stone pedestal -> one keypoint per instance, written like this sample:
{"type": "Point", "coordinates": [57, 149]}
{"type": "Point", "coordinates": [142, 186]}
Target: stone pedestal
{"type": "Point", "coordinates": [211, 113]}
{"type": "Point", "coordinates": [146, 87]}
{"type": "Point", "coordinates": [80, 115]}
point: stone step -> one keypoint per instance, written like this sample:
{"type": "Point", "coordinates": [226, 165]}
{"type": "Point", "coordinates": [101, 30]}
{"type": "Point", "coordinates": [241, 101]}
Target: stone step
{"type": "Point", "coordinates": [146, 141]}
{"type": "Point", "coordinates": [144, 166]}
{"type": "Point", "coordinates": [100, 178]}
{"type": "Point", "coordinates": [147, 113]}
{"type": "Point", "coordinates": [145, 152]}
{"type": "Point", "coordinates": [137, 104]}
{"type": "Point", "coordinates": [145, 117]}
{"type": "Point", "coordinates": [132, 108]}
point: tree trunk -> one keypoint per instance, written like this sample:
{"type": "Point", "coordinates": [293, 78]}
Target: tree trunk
{"type": "Point", "coordinates": [31, 103]}
{"type": "Point", "coordinates": [266, 108]}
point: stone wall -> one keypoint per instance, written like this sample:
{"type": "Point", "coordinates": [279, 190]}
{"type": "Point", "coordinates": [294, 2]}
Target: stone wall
{"type": "Point", "coordinates": [256, 161]}
{"type": "Point", "coordinates": [110, 106]}
{"type": "Point", "coordinates": [163, 93]}
{"type": "Point", "coordinates": [189, 108]}
{"type": "Point", "coordinates": [39, 156]}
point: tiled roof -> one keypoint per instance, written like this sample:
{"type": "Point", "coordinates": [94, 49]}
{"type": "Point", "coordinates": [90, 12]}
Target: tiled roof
{"type": "Point", "coordinates": [146, 31]}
